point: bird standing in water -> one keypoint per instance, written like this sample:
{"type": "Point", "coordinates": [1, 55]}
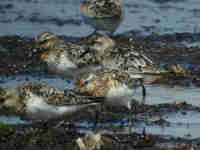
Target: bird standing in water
{"type": "Point", "coordinates": [115, 86]}
{"type": "Point", "coordinates": [104, 16]}
{"type": "Point", "coordinates": [38, 101]}
{"type": "Point", "coordinates": [66, 59]}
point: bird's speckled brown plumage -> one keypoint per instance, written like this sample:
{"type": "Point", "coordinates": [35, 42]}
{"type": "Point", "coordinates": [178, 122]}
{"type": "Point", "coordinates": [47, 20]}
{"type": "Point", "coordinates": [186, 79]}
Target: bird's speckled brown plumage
{"type": "Point", "coordinates": [18, 100]}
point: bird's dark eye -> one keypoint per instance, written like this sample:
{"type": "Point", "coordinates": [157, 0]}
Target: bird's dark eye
{"type": "Point", "coordinates": [2, 95]}
{"type": "Point", "coordinates": [86, 82]}
{"type": "Point", "coordinates": [2, 100]}
{"type": "Point", "coordinates": [42, 42]}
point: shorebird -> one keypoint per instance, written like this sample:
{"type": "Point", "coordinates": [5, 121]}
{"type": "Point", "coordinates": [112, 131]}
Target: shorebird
{"type": "Point", "coordinates": [38, 101]}
{"type": "Point", "coordinates": [104, 16]}
{"type": "Point", "coordinates": [125, 57]}
{"type": "Point", "coordinates": [67, 59]}
{"type": "Point", "coordinates": [115, 86]}
{"type": "Point", "coordinates": [100, 51]}
{"type": "Point", "coordinates": [116, 56]}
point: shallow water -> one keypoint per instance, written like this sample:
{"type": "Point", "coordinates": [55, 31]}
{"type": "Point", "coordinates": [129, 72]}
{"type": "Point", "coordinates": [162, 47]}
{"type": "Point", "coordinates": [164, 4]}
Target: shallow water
{"type": "Point", "coordinates": [158, 94]}
{"type": "Point", "coordinates": [183, 123]}
{"type": "Point", "coordinates": [14, 81]}
{"type": "Point", "coordinates": [29, 17]}
{"type": "Point", "coordinates": [174, 130]}
{"type": "Point", "coordinates": [178, 125]}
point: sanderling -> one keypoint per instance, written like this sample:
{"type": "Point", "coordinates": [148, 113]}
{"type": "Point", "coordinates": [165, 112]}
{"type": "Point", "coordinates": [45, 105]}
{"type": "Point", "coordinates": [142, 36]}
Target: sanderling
{"type": "Point", "coordinates": [114, 55]}
{"type": "Point", "coordinates": [104, 16]}
{"type": "Point", "coordinates": [39, 101]}
{"type": "Point", "coordinates": [66, 59]}
{"type": "Point", "coordinates": [101, 51]}
{"type": "Point", "coordinates": [115, 86]}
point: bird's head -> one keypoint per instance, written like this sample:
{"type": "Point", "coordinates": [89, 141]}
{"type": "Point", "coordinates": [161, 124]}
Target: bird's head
{"type": "Point", "coordinates": [46, 40]}
{"type": "Point", "coordinates": [86, 83]}
{"type": "Point", "coordinates": [8, 97]}
{"type": "Point", "coordinates": [102, 44]}
{"type": "Point", "coordinates": [97, 84]}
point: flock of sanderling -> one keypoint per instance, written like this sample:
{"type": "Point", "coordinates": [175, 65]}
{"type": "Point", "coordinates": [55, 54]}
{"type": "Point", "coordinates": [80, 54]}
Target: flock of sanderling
{"type": "Point", "coordinates": [103, 73]}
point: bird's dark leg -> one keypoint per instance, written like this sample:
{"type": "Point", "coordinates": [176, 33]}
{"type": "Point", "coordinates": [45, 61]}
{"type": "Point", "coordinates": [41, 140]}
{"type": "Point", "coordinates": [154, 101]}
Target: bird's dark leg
{"type": "Point", "coordinates": [143, 91]}
{"type": "Point", "coordinates": [97, 112]}
{"type": "Point", "coordinates": [143, 94]}
{"type": "Point", "coordinates": [133, 109]}
{"type": "Point", "coordinates": [132, 112]}
{"type": "Point", "coordinates": [95, 32]}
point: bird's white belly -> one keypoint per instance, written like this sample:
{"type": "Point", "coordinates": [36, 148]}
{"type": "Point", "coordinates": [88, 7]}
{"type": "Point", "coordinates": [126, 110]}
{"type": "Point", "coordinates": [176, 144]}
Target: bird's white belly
{"type": "Point", "coordinates": [120, 96]}
{"type": "Point", "coordinates": [61, 65]}
{"type": "Point", "coordinates": [65, 63]}
{"type": "Point", "coordinates": [38, 109]}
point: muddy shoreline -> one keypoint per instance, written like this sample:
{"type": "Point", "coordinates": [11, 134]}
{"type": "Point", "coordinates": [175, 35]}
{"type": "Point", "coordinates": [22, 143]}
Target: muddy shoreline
{"type": "Point", "coordinates": [61, 134]}
{"type": "Point", "coordinates": [19, 55]}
